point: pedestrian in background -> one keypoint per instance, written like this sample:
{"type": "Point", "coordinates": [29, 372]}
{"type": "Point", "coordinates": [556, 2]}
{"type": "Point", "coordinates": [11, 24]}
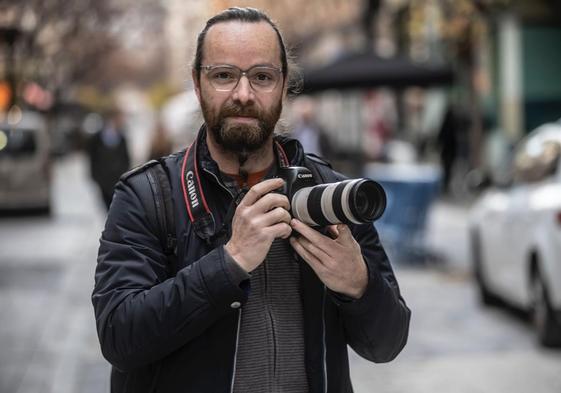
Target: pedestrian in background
{"type": "Point", "coordinates": [448, 145]}
{"type": "Point", "coordinates": [161, 144]}
{"type": "Point", "coordinates": [307, 129]}
{"type": "Point", "coordinates": [256, 301]}
{"type": "Point", "coordinates": [379, 114]}
{"type": "Point", "coordinates": [108, 154]}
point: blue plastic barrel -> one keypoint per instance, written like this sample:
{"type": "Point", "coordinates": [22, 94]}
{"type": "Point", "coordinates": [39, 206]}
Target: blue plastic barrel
{"type": "Point", "coordinates": [411, 189]}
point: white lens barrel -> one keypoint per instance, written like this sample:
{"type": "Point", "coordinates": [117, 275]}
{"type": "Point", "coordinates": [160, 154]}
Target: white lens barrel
{"type": "Point", "coordinates": [299, 206]}
{"type": "Point", "coordinates": [341, 202]}
{"type": "Point", "coordinates": [327, 203]}
{"type": "Point", "coordinates": [345, 201]}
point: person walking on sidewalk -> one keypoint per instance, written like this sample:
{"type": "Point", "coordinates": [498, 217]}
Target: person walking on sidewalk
{"type": "Point", "coordinates": [108, 154]}
{"type": "Point", "coordinates": [260, 302]}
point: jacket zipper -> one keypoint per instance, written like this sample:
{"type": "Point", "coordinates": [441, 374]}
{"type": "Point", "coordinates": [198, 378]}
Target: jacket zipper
{"type": "Point", "coordinates": [219, 182]}
{"type": "Point", "coordinates": [236, 351]}
{"type": "Point", "coordinates": [240, 310]}
{"type": "Point", "coordinates": [270, 318]}
{"type": "Point", "coordinates": [324, 340]}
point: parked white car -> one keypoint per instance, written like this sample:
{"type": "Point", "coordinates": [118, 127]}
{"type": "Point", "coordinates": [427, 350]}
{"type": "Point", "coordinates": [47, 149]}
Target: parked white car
{"type": "Point", "coordinates": [25, 170]}
{"type": "Point", "coordinates": [515, 233]}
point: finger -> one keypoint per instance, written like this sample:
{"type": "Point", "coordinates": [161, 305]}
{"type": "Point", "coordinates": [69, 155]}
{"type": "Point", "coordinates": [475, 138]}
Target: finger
{"type": "Point", "coordinates": [314, 263]}
{"type": "Point", "coordinates": [275, 216]}
{"type": "Point", "coordinates": [270, 201]}
{"type": "Point", "coordinates": [345, 234]}
{"type": "Point", "coordinates": [260, 189]}
{"type": "Point", "coordinates": [321, 255]}
{"type": "Point", "coordinates": [287, 234]}
{"type": "Point", "coordinates": [333, 231]}
{"type": "Point", "coordinates": [282, 230]}
{"type": "Point", "coordinates": [344, 231]}
{"type": "Point", "coordinates": [308, 232]}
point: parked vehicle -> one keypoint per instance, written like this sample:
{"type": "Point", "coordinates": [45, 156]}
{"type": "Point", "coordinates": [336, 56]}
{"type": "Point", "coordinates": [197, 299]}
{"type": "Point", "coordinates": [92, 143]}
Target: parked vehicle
{"type": "Point", "coordinates": [25, 170]}
{"type": "Point", "coordinates": [515, 233]}
{"type": "Point", "coordinates": [65, 126]}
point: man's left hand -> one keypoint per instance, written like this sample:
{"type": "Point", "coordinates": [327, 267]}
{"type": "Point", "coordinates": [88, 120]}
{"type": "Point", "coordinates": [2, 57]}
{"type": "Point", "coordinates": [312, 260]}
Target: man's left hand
{"type": "Point", "coordinates": [336, 260]}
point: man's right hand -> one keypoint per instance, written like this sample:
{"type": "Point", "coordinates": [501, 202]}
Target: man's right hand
{"type": "Point", "coordinates": [260, 217]}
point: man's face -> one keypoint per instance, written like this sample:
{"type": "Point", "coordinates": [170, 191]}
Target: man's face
{"type": "Point", "coordinates": [241, 120]}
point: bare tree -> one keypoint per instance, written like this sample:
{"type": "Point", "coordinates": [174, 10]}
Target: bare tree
{"type": "Point", "coordinates": [64, 44]}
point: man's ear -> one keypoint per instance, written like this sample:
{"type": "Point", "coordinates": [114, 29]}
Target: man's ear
{"type": "Point", "coordinates": [196, 83]}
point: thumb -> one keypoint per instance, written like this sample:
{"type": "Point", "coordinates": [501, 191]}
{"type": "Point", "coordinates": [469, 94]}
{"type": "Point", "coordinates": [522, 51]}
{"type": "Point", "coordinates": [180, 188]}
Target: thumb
{"type": "Point", "coordinates": [333, 232]}
{"type": "Point", "coordinates": [345, 233]}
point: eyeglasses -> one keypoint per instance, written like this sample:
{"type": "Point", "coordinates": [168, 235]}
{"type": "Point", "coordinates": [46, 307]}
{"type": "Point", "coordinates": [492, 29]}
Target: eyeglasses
{"type": "Point", "coordinates": [225, 77]}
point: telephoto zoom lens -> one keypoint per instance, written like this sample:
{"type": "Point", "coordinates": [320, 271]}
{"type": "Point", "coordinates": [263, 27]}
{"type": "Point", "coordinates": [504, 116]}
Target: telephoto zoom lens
{"type": "Point", "coordinates": [357, 201]}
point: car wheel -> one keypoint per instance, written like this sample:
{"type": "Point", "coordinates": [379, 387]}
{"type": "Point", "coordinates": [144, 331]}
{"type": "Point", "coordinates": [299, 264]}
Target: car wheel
{"type": "Point", "coordinates": [487, 297]}
{"type": "Point", "coordinates": [547, 327]}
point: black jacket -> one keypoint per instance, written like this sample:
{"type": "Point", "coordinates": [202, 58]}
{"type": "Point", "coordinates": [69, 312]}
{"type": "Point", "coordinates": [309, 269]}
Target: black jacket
{"type": "Point", "coordinates": [167, 332]}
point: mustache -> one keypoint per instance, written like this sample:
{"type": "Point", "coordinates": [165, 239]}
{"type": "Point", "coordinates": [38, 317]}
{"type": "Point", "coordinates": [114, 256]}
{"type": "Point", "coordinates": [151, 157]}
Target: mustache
{"type": "Point", "coordinates": [236, 110]}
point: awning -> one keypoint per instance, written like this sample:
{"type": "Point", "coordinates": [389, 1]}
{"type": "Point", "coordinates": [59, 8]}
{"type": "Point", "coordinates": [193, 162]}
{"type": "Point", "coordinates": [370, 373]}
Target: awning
{"type": "Point", "coordinates": [366, 70]}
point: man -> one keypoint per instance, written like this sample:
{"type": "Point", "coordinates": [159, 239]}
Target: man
{"type": "Point", "coordinates": [109, 155]}
{"type": "Point", "coordinates": [307, 129]}
{"type": "Point", "coordinates": [256, 303]}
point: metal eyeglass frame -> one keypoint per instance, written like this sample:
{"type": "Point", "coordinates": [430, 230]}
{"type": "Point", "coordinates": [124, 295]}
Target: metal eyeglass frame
{"type": "Point", "coordinates": [210, 67]}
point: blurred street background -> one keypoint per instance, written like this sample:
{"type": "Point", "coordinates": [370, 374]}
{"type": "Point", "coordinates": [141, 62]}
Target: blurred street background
{"type": "Point", "coordinates": [429, 97]}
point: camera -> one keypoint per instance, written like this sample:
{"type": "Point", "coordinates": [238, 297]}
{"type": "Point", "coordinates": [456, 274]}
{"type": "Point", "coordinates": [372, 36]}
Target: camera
{"type": "Point", "coordinates": [353, 201]}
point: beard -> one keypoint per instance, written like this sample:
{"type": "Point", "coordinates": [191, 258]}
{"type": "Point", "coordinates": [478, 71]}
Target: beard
{"type": "Point", "coordinates": [241, 139]}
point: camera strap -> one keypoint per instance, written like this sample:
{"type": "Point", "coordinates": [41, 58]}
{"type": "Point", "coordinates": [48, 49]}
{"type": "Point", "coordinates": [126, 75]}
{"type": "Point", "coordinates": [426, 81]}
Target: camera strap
{"type": "Point", "coordinates": [195, 201]}
{"type": "Point", "coordinates": [281, 155]}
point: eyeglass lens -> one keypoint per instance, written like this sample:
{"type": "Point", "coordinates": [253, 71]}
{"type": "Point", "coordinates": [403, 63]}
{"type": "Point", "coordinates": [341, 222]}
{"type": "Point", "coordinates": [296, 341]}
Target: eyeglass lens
{"type": "Point", "coordinates": [226, 78]}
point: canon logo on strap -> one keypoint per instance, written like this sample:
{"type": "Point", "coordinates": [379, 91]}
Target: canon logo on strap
{"type": "Point", "coordinates": [191, 189]}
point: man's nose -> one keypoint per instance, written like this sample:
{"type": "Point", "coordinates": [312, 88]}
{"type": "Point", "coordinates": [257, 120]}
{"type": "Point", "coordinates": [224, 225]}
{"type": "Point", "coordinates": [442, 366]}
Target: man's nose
{"type": "Point", "coordinates": [243, 93]}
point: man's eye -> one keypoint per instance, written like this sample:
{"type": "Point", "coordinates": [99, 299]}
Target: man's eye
{"type": "Point", "coordinates": [223, 75]}
{"type": "Point", "coordinates": [262, 77]}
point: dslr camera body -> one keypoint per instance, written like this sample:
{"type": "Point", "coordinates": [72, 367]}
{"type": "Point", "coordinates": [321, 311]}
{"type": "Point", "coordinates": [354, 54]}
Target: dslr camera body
{"type": "Point", "coordinates": [353, 201]}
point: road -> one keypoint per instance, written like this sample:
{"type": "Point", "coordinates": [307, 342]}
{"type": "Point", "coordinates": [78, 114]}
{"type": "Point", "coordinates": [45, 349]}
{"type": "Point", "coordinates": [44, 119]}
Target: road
{"type": "Point", "coordinates": [49, 345]}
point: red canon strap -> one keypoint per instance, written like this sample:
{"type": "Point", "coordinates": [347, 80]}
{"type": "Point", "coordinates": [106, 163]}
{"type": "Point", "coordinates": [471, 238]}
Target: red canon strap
{"type": "Point", "coordinates": [193, 195]}
{"type": "Point", "coordinates": [281, 154]}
